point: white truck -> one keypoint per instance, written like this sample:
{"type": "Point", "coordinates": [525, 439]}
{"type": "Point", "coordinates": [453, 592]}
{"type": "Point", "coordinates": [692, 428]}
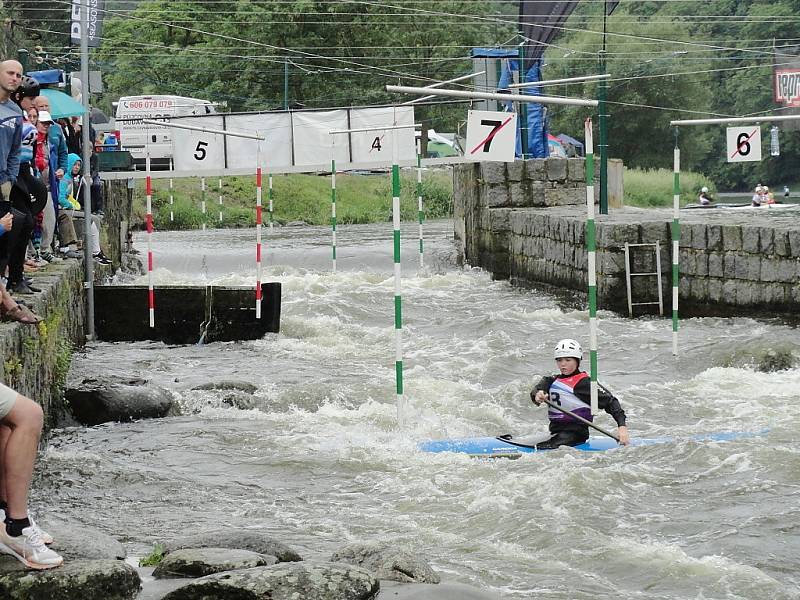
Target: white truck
{"type": "Point", "coordinates": [138, 138]}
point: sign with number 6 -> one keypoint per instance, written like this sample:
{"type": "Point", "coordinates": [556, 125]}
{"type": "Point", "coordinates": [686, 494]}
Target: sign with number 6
{"type": "Point", "coordinates": [491, 136]}
{"type": "Point", "coordinates": [198, 150]}
{"type": "Point", "coordinates": [744, 144]}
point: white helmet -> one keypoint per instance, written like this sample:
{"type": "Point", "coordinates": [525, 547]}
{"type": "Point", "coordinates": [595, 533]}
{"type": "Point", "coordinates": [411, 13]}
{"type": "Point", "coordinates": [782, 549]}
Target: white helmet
{"type": "Point", "coordinates": [568, 349]}
{"type": "Point", "coordinates": [704, 190]}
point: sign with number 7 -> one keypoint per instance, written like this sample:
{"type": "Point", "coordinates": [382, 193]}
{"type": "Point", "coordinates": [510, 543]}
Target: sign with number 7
{"type": "Point", "coordinates": [491, 136]}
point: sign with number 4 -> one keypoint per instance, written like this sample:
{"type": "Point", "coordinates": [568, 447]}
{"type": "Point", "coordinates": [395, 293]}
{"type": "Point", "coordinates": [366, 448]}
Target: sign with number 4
{"type": "Point", "coordinates": [491, 136]}
{"type": "Point", "coordinates": [744, 144]}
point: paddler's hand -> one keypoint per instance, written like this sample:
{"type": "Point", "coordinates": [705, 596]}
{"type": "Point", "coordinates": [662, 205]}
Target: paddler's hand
{"type": "Point", "coordinates": [538, 396]}
{"type": "Point", "coordinates": [624, 436]}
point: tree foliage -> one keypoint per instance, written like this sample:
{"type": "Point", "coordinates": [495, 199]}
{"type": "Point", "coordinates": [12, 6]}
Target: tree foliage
{"type": "Point", "coordinates": [682, 60]}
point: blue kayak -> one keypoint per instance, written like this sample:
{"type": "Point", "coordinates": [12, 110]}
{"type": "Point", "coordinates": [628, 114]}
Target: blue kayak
{"type": "Point", "coordinates": [508, 447]}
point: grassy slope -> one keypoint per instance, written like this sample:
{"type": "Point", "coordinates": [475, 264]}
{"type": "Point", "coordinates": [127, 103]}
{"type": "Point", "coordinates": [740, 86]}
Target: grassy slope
{"type": "Point", "coordinates": [359, 199]}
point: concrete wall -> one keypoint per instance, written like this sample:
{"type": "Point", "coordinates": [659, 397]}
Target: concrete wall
{"type": "Point", "coordinates": [731, 261]}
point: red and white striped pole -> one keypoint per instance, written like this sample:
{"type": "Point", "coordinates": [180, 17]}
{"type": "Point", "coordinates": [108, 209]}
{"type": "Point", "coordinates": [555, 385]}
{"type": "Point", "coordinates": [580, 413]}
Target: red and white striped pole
{"type": "Point", "coordinates": [150, 295]}
{"type": "Point", "coordinates": [258, 242]}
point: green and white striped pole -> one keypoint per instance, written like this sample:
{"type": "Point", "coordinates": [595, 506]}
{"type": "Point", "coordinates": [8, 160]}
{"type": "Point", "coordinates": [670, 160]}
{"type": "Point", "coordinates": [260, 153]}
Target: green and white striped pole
{"type": "Point", "coordinates": [333, 213]}
{"type": "Point", "coordinates": [676, 239]}
{"type": "Point", "coordinates": [419, 206]}
{"type": "Point", "coordinates": [591, 249]}
{"type": "Point", "coordinates": [398, 312]}
{"type": "Point", "coordinates": [203, 200]}
{"type": "Point", "coordinates": [269, 196]}
{"type": "Point", "coordinates": [220, 199]}
{"type": "Point", "coordinates": [171, 195]}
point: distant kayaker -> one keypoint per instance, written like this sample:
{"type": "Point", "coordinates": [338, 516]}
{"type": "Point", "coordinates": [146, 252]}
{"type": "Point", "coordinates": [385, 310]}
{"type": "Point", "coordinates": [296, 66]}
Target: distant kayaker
{"type": "Point", "coordinates": [704, 199]}
{"type": "Point", "coordinates": [570, 389]}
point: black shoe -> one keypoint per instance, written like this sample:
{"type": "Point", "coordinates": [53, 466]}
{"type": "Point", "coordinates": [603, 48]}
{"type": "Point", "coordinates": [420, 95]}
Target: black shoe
{"type": "Point", "coordinates": [23, 288]}
{"type": "Point", "coordinates": [101, 258]}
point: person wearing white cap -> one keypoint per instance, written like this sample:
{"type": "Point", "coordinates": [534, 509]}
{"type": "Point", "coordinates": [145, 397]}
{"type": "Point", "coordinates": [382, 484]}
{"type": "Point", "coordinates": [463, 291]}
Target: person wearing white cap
{"type": "Point", "coordinates": [704, 198]}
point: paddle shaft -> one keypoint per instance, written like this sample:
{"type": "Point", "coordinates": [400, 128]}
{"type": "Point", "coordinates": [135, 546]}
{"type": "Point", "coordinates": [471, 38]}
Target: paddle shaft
{"type": "Point", "coordinates": [581, 419]}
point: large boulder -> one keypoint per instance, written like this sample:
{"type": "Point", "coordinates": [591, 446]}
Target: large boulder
{"type": "Point", "coordinates": [242, 539]}
{"type": "Point", "coordinates": [96, 401]}
{"type": "Point", "coordinates": [387, 562]}
{"type": "Point", "coordinates": [75, 580]}
{"type": "Point", "coordinates": [198, 562]}
{"type": "Point", "coordinates": [284, 581]}
{"type": "Point", "coordinates": [73, 541]}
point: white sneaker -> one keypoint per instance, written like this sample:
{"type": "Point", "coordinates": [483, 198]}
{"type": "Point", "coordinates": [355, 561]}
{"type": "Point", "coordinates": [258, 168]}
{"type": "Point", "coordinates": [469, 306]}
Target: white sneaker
{"type": "Point", "coordinates": [29, 549]}
{"type": "Point", "coordinates": [46, 537]}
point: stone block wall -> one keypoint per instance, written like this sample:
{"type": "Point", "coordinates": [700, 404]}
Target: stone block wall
{"type": "Point", "coordinates": [730, 263]}
{"type": "Point", "coordinates": [753, 266]}
{"type": "Point", "coordinates": [486, 193]}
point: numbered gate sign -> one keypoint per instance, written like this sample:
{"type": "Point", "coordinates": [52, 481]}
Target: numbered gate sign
{"type": "Point", "coordinates": [491, 136]}
{"type": "Point", "coordinates": [197, 150]}
{"type": "Point", "coordinates": [744, 144]}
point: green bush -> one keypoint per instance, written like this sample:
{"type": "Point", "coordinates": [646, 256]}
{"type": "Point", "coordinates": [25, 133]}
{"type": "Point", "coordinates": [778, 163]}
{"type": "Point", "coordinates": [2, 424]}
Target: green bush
{"type": "Point", "coordinates": [654, 188]}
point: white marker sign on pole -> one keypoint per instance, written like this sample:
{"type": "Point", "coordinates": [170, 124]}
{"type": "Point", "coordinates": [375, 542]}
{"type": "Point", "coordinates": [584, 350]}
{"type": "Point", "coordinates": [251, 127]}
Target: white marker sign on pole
{"type": "Point", "coordinates": [491, 136]}
{"type": "Point", "coordinates": [744, 144]}
{"type": "Point", "coordinates": [198, 150]}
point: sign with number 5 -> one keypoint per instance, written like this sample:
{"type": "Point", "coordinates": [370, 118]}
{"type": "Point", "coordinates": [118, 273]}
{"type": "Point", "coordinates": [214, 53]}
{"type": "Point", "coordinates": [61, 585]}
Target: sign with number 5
{"type": "Point", "coordinates": [744, 144]}
{"type": "Point", "coordinates": [198, 150]}
{"type": "Point", "coordinates": [491, 136]}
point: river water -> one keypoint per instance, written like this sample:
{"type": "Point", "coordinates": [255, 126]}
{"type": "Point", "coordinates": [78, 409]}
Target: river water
{"type": "Point", "coordinates": [322, 461]}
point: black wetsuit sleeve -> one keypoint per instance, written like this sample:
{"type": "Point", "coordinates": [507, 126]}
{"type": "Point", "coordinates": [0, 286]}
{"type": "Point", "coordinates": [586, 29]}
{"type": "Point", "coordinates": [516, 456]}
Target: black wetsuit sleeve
{"type": "Point", "coordinates": [605, 401]}
{"type": "Point", "coordinates": [543, 385]}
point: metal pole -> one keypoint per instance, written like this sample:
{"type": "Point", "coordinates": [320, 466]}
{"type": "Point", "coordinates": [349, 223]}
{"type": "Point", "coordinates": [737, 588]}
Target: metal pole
{"type": "Point", "coordinates": [440, 84]}
{"type": "Point", "coordinates": [285, 84]}
{"type": "Point", "coordinates": [735, 120]}
{"type": "Point", "coordinates": [676, 238]}
{"type": "Point", "coordinates": [88, 261]}
{"type": "Point", "coordinates": [404, 89]}
{"type": "Point", "coordinates": [602, 109]}
{"type": "Point", "coordinates": [591, 248]}
{"type": "Point", "coordinates": [523, 107]}
{"type": "Point", "coordinates": [558, 81]}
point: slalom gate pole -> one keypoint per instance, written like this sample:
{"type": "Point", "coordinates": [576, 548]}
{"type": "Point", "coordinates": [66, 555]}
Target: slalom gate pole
{"type": "Point", "coordinates": [333, 213]}
{"type": "Point", "coordinates": [258, 242]}
{"type": "Point", "coordinates": [591, 250]}
{"type": "Point", "coordinates": [420, 212]}
{"type": "Point", "coordinates": [398, 312]}
{"type": "Point", "coordinates": [203, 200]}
{"type": "Point", "coordinates": [149, 218]}
{"type": "Point", "coordinates": [269, 193]}
{"type": "Point", "coordinates": [676, 239]}
{"type": "Point", "coordinates": [220, 199]}
{"type": "Point", "coordinates": [171, 194]}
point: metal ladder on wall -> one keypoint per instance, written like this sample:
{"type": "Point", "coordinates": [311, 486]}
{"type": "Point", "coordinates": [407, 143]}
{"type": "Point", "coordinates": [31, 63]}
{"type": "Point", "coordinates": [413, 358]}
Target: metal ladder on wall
{"type": "Point", "coordinates": [628, 274]}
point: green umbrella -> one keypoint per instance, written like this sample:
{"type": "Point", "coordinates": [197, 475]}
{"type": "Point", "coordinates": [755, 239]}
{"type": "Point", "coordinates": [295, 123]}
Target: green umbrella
{"type": "Point", "coordinates": [62, 105]}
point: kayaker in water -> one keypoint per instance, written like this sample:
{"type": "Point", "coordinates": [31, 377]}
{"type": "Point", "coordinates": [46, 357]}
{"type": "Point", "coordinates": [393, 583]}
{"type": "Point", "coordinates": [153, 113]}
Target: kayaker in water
{"type": "Point", "coordinates": [570, 389]}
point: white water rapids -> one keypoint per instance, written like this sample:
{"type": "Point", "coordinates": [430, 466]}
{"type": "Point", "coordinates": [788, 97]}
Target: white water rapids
{"type": "Point", "coordinates": [322, 462]}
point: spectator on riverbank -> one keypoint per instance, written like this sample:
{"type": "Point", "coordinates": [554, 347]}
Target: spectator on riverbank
{"type": "Point", "coordinates": [57, 159]}
{"type": "Point", "coordinates": [68, 189]}
{"type": "Point", "coordinates": [21, 421]}
{"type": "Point", "coordinates": [11, 122]}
